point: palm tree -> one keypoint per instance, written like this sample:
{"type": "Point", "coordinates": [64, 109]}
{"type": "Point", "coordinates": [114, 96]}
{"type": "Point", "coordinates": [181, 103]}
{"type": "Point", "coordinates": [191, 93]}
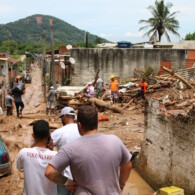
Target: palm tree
{"type": "Point", "coordinates": [161, 22]}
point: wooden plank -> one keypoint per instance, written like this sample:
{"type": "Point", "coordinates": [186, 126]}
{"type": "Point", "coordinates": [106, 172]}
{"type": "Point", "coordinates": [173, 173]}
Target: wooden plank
{"type": "Point", "coordinates": [177, 76]}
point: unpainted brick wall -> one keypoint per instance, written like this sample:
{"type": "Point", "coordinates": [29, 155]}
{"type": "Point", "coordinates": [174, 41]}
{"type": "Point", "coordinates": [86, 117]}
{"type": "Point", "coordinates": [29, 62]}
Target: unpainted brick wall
{"type": "Point", "coordinates": [167, 155]}
{"type": "Point", "coordinates": [189, 63]}
{"type": "Point", "coordinates": [167, 64]}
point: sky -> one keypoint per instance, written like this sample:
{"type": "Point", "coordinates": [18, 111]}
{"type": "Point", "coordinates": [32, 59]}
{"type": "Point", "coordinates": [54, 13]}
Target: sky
{"type": "Point", "coordinates": [114, 20]}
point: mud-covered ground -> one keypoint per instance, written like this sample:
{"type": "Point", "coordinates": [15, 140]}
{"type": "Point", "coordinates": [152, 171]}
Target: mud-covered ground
{"type": "Point", "coordinates": [16, 133]}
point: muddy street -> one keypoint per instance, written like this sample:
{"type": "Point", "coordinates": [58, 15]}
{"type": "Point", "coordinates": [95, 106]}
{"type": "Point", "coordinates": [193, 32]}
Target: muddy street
{"type": "Point", "coordinates": [16, 134]}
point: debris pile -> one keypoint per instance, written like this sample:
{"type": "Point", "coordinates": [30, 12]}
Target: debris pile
{"type": "Point", "coordinates": [174, 90]}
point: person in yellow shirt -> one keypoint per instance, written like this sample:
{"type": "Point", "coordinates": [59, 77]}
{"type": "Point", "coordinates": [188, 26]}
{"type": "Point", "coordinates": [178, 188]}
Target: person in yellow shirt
{"type": "Point", "coordinates": [114, 88]}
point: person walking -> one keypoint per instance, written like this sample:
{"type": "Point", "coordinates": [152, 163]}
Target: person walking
{"type": "Point", "coordinates": [64, 135]}
{"type": "Point", "coordinates": [94, 159]}
{"type": "Point", "coordinates": [51, 101]}
{"type": "Point", "coordinates": [142, 89]}
{"type": "Point", "coordinates": [17, 91]}
{"type": "Point", "coordinates": [34, 160]}
{"type": "Point", "coordinates": [114, 88]}
{"type": "Point", "coordinates": [9, 103]}
{"type": "Point", "coordinates": [99, 86]}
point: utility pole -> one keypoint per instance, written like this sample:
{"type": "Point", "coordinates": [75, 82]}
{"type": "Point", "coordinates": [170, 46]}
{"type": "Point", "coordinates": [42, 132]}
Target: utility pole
{"type": "Point", "coordinates": [6, 76]}
{"type": "Point", "coordinates": [59, 72]}
{"type": "Point", "coordinates": [53, 73]}
{"type": "Point", "coordinates": [44, 66]}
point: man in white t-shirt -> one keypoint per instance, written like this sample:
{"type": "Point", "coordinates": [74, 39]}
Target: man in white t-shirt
{"type": "Point", "coordinates": [34, 161]}
{"type": "Point", "coordinates": [68, 133]}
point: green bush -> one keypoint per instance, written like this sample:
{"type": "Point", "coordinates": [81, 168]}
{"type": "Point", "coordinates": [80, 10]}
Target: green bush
{"type": "Point", "coordinates": [148, 71]}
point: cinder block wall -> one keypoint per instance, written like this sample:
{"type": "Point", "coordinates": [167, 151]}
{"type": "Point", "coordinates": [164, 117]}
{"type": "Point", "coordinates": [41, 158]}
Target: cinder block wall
{"type": "Point", "coordinates": [168, 150]}
{"type": "Point", "coordinates": [120, 62]}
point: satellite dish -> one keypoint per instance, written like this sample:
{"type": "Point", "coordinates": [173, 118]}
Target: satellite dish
{"type": "Point", "coordinates": [72, 60]}
{"type": "Point", "coordinates": [69, 47]}
{"type": "Point", "coordinates": [62, 65]}
{"type": "Point", "coordinates": [3, 71]}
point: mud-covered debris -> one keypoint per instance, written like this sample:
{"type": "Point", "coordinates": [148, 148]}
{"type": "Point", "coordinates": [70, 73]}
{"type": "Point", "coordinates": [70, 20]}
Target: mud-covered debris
{"type": "Point", "coordinates": [37, 105]}
{"type": "Point", "coordinates": [19, 126]}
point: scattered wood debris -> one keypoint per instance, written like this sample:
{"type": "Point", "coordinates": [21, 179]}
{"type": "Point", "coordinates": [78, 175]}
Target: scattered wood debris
{"type": "Point", "coordinates": [158, 86]}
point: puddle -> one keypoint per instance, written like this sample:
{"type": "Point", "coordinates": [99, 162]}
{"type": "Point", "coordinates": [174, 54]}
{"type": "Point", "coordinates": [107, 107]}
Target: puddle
{"type": "Point", "coordinates": [136, 185]}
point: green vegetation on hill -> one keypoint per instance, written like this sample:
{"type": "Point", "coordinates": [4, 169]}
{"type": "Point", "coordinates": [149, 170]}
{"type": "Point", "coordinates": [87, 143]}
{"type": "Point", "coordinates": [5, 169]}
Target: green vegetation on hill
{"type": "Point", "coordinates": [25, 34]}
{"type": "Point", "coordinates": [18, 48]}
{"type": "Point", "coordinates": [190, 36]}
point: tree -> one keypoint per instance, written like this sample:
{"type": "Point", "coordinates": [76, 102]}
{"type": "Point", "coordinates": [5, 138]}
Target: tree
{"type": "Point", "coordinates": [161, 22]}
{"type": "Point", "coordinates": [98, 40]}
{"type": "Point", "coordinates": [190, 36]}
{"type": "Point", "coordinates": [10, 46]}
{"type": "Point", "coordinates": [86, 39]}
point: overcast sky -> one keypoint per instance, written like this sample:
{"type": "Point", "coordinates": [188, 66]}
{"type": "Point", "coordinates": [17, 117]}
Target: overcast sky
{"type": "Point", "coordinates": [114, 20]}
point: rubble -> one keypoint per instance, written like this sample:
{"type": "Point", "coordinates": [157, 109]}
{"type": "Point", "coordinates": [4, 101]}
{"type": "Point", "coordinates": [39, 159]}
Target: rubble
{"type": "Point", "coordinates": [179, 96]}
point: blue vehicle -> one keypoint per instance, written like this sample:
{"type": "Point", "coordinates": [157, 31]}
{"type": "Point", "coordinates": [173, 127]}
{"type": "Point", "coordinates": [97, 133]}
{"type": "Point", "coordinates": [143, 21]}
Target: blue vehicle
{"type": "Point", "coordinates": [5, 163]}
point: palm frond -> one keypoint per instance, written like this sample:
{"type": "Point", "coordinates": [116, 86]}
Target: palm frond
{"type": "Point", "coordinates": [151, 31]}
{"type": "Point", "coordinates": [154, 36]}
{"type": "Point", "coordinates": [167, 36]}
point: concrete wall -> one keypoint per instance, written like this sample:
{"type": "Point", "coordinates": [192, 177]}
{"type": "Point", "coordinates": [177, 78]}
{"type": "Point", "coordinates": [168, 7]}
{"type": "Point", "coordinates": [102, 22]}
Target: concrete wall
{"type": "Point", "coordinates": [168, 150]}
{"type": "Point", "coordinates": [120, 62]}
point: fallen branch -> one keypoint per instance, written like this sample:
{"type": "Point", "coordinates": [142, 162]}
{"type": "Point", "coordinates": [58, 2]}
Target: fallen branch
{"type": "Point", "coordinates": [170, 103]}
{"type": "Point", "coordinates": [105, 95]}
{"type": "Point", "coordinates": [165, 78]}
{"type": "Point", "coordinates": [108, 105]}
{"type": "Point", "coordinates": [67, 97]}
{"type": "Point", "coordinates": [96, 77]}
{"type": "Point", "coordinates": [185, 104]}
{"type": "Point", "coordinates": [127, 104]}
{"type": "Point", "coordinates": [75, 103]}
{"type": "Point", "coordinates": [177, 76]}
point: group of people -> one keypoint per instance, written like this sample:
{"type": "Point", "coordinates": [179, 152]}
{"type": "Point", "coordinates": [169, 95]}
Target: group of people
{"type": "Point", "coordinates": [86, 161]}
{"type": "Point", "coordinates": [92, 91]}
{"type": "Point", "coordinates": [96, 91]}
{"type": "Point", "coordinates": [51, 98]}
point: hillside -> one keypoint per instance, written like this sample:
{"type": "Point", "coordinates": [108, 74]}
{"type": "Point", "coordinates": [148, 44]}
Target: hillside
{"type": "Point", "coordinates": [25, 30]}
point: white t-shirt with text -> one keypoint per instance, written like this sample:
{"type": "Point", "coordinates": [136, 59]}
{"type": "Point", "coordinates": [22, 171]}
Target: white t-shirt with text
{"type": "Point", "coordinates": [34, 162]}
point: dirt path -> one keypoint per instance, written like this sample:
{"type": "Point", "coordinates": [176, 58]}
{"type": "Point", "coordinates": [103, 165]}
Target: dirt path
{"type": "Point", "coordinates": [129, 127]}
{"type": "Point", "coordinates": [19, 132]}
